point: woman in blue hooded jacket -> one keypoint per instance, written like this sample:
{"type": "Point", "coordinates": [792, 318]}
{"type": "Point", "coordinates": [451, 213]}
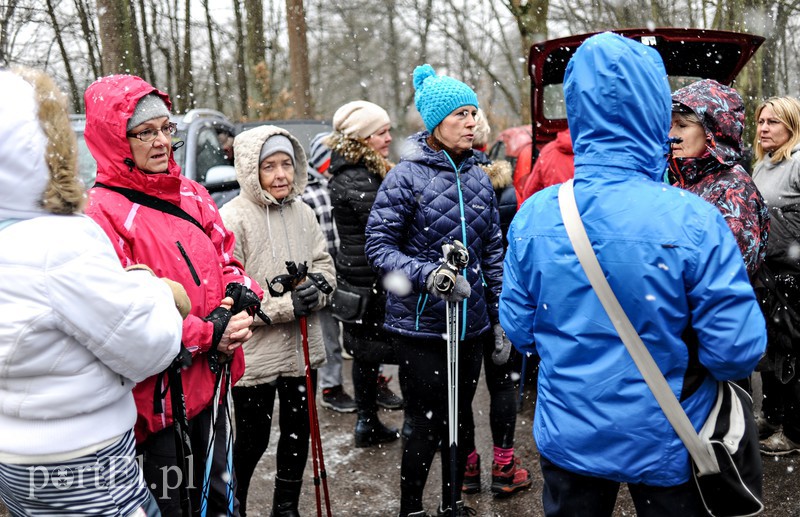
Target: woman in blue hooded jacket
{"type": "Point", "coordinates": [675, 267]}
{"type": "Point", "coordinates": [437, 195]}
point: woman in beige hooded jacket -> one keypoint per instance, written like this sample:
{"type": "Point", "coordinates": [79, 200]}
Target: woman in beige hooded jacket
{"type": "Point", "coordinates": [273, 226]}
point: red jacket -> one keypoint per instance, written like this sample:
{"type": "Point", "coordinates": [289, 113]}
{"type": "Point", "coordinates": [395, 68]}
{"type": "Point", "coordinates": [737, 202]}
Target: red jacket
{"type": "Point", "coordinates": [201, 261]}
{"type": "Point", "coordinates": [554, 165]}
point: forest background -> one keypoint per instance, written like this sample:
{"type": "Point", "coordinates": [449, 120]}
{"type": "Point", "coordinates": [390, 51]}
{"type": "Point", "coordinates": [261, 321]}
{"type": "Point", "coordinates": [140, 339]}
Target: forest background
{"type": "Point", "coordinates": [279, 59]}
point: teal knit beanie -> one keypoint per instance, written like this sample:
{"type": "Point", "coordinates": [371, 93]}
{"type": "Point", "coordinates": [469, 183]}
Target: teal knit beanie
{"type": "Point", "coordinates": [436, 96]}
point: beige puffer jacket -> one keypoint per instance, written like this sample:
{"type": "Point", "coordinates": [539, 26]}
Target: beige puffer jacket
{"type": "Point", "coordinates": [269, 233]}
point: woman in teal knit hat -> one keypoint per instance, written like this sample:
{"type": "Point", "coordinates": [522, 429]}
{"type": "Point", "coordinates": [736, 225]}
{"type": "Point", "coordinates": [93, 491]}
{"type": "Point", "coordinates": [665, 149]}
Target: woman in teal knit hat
{"type": "Point", "coordinates": [435, 196]}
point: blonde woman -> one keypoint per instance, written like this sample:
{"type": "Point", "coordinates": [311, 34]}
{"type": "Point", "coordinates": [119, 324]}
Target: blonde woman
{"type": "Point", "coordinates": [777, 176]}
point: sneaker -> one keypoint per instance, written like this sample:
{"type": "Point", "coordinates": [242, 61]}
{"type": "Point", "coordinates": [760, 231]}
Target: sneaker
{"type": "Point", "coordinates": [509, 479]}
{"type": "Point", "coordinates": [336, 399]}
{"type": "Point", "coordinates": [462, 510]}
{"type": "Point", "coordinates": [765, 429]}
{"type": "Point", "coordinates": [472, 478]}
{"type": "Point", "coordinates": [778, 445]}
{"type": "Point", "coordinates": [386, 397]}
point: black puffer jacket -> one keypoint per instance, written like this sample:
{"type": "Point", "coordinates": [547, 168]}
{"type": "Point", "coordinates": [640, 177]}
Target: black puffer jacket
{"type": "Point", "coordinates": [357, 173]}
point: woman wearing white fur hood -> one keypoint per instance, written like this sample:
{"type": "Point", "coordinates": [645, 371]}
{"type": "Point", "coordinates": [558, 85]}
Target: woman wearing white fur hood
{"type": "Point", "coordinates": [272, 226]}
{"type": "Point", "coordinates": [78, 330]}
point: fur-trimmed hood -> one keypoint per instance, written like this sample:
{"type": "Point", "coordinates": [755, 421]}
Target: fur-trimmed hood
{"type": "Point", "coordinates": [247, 147]}
{"type": "Point", "coordinates": [38, 157]}
{"type": "Point", "coordinates": [499, 172]}
{"type": "Point", "coordinates": [353, 151]}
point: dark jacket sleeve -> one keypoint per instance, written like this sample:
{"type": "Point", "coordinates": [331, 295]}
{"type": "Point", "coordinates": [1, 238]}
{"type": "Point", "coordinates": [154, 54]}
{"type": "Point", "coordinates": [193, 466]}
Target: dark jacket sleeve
{"type": "Point", "coordinates": [387, 227]}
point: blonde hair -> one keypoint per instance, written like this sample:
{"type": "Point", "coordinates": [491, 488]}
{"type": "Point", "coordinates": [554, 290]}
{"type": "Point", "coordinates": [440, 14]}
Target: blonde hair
{"type": "Point", "coordinates": [787, 111]}
{"type": "Point", "coordinates": [482, 130]}
{"type": "Point", "coordinates": [64, 193]}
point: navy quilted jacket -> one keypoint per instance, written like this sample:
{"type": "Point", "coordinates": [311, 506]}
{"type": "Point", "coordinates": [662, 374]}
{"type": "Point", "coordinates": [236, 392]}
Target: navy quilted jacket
{"type": "Point", "coordinates": [424, 202]}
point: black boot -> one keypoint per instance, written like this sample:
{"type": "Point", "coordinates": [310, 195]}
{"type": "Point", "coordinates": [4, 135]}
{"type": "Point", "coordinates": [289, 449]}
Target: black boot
{"type": "Point", "coordinates": [286, 498]}
{"type": "Point", "coordinates": [370, 431]}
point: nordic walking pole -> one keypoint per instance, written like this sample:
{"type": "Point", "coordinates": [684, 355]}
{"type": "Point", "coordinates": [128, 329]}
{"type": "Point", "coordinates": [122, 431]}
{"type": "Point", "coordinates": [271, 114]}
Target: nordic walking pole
{"type": "Point", "coordinates": [522, 382]}
{"type": "Point", "coordinates": [279, 286]}
{"type": "Point", "coordinates": [309, 397]}
{"type": "Point", "coordinates": [224, 375]}
{"type": "Point", "coordinates": [317, 457]}
{"type": "Point", "coordinates": [456, 258]}
{"type": "Point", "coordinates": [246, 300]}
{"type": "Point", "coordinates": [452, 399]}
{"type": "Point", "coordinates": [212, 437]}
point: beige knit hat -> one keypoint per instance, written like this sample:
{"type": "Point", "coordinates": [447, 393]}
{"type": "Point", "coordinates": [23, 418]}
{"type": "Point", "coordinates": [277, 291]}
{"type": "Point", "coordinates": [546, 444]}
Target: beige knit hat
{"type": "Point", "coordinates": [360, 119]}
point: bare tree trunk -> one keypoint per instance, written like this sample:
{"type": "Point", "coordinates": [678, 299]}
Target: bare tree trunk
{"type": "Point", "coordinates": [147, 40]}
{"type": "Point", "coordinates": [256, 55]}
{"type": "Point", "coordinates": [393, 60]}
{"type": "Point", "coordinates": [213, 50]}
{"type": "Point", "coordinates": [241, 67]}
{"type": "Point", "coordinates": [73, 87]}
{"type": "Point", "coordinates": [6, 14]}
{"type": "Point", "coordinates": [116, 36]}
{"type": "Point", "coordinates": [137, 47]}
{"type": "Point", "coordinates": [90, 36]}
{"type": "Point", "coordinates": [163, 48]}
{"type": "Point", "coordinates": [174, 52]}
{"type": "Point", "coordinates": [298, 58]}
{"type": "Point", "coordinates": [531, 19]}
{"type": "Point", "coordinates": [186, 89]}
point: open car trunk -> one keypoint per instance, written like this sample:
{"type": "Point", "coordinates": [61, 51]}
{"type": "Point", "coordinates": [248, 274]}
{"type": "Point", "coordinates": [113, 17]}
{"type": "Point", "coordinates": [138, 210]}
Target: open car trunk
{"type": "Point", "coordinates": [689, 55]}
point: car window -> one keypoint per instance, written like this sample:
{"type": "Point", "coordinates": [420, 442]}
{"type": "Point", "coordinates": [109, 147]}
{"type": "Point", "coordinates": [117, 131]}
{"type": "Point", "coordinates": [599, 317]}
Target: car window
{"type": "Point", "coordinates": [214, 147]}
{"type": "Point", "coordinates": [87, 166]}
{"type": "Point", "coordinates": [553, 96]}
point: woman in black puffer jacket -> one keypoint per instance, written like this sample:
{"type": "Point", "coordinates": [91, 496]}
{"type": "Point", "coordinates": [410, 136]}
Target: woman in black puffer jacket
{"type": "Point", "coordinates": [359, 145]}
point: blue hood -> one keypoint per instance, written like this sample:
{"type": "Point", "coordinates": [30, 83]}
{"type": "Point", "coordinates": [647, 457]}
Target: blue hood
{"type": "Point", "coordinates": [612, 128]}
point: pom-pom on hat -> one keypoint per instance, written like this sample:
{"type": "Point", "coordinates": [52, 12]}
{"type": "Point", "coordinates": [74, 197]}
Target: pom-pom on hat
{"type": "Point", "coordinates": [437, 96]}
{"type": "Point", "coordinates": [360, 119]}
{"type": "Point", "coordinates": [149, 107]}
{"type": "Point", "coordinates": [276, 144]}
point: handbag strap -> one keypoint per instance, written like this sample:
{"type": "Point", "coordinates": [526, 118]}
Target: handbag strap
{"type": "Point", "coordinates": [706, 462]}
{"type": "Point", "coordinates": [135, 196]}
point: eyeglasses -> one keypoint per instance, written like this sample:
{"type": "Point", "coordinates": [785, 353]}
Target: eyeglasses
{"type": "Point", "coordinates": [148, 135]}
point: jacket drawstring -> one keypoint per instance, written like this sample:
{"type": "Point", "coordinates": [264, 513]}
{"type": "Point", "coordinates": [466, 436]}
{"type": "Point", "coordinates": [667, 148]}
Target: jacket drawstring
{"type": "Point", "coordinates": [463, 236]}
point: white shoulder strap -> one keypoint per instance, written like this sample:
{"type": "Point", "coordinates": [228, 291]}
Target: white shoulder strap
{"type": "Point", "coordinates": [706, 463]}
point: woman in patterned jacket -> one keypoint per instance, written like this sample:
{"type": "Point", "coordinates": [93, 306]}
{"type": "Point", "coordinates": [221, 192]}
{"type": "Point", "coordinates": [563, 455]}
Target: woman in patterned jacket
{"type": "Point", "coordinates": [708, 118]}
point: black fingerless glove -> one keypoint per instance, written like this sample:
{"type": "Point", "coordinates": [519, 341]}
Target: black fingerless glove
{"type": "Point", "coordinates": [220, 318]}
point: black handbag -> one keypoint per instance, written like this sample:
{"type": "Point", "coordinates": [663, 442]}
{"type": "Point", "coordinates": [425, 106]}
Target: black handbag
{"type": "Point", "coordinates": [726, 461]}
{"type": "Point", "coordinates": [731, 433]}
{"type": "Point", "coordinates": [349, 303]}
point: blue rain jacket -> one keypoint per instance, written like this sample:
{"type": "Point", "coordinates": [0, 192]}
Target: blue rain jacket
{"type": "Point", "coordinates": [424, 202]}
{"type": "Point", "coordinates": [670, 259]}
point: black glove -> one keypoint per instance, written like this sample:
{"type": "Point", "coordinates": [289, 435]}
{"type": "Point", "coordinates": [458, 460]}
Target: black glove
{"type": "Point", "coordinates": [220, 318]}
{"type": "Point", "coordinates": [304, 298]}
{"type": "Point", "coordinates": [446, 283]}
{"type": "Point", "coordinates": [244, 299]}
{"type": "Point", "coordinates": [502, 346]}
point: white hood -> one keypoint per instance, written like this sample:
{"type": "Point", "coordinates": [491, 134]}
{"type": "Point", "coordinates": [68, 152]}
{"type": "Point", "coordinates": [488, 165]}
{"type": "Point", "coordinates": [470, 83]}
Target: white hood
{"type": "Point", "coordinates": [24, 174]}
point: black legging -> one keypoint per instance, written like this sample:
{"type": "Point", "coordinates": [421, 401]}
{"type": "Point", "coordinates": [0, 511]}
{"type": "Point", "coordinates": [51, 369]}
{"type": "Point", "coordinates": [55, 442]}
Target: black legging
{"type": "Point", "coordinates": [370, 346]}
{"type": "Point", "coordinates": [254, 405]}
{"type": "Point", "coordinates": [782, 404]}
{"type": "Point", "coordinates": [503, 401]}
{"type": "Point", "coordinates": [423, 371]}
